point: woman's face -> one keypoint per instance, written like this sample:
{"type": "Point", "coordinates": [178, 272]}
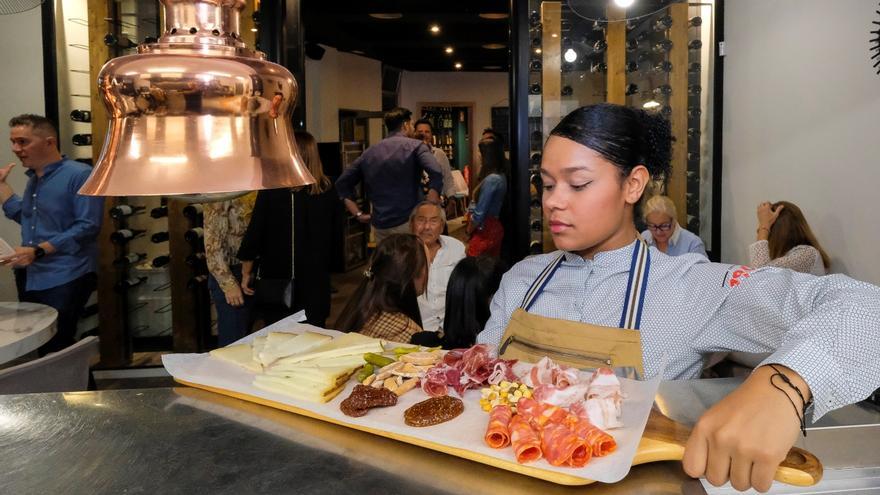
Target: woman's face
{"type": "Point", "coordinates": [661, 225]}
{"type": "Point", "coordinates": [587, 204]}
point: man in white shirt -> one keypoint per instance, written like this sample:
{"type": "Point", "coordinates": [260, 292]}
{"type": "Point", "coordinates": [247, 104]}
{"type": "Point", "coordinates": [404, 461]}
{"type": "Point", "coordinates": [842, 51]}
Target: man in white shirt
{"type": "Point", "coordinates": [427, 221]}
{"type": "Point", "coordinates": [425, 131]}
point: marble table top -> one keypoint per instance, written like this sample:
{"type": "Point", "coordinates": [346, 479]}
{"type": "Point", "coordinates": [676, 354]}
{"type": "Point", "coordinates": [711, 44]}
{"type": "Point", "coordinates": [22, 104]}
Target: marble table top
{"type": "Point", "coordinates": [24, 327]}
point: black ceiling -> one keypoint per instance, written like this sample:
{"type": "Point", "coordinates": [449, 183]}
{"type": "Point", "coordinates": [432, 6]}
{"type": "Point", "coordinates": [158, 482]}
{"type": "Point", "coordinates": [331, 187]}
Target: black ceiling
{"type": "Point", "coordinates": [407, 43]}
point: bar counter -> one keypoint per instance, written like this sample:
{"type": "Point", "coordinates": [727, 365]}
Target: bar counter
{"type": "Point", "coordinates": [185, 440]}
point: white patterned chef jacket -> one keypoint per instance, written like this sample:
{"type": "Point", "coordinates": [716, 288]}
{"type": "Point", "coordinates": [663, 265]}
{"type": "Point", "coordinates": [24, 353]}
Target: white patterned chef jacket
{"type": "Point", "coordinates": [824, 328]}
{"type": "Point", "coordinates": [432, 304]}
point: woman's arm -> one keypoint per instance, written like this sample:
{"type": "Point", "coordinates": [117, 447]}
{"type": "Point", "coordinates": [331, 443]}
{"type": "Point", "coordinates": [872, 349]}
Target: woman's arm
{"type": "Point", "coordinates": [489, 190]}
{"type": "Point", "coordinates": [800, 258]}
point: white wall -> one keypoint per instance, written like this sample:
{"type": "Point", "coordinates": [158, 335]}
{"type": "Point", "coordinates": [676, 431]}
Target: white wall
{"type": "Point", "coordinates": [21, 91]}
{"type": "Point", "coordinates": [341, 80]}
{"type": "Point", "coordinates": [801, 113]}
{"type": "Point", "coordinates": [484, 89]}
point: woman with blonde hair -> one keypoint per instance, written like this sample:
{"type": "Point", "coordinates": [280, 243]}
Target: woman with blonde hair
{"type": "Point", "coordinates": [665, 233]}
{"type": "Point", "coordinates": [785, 240]}
{"type": "Point", "coordinates": [288, 243]}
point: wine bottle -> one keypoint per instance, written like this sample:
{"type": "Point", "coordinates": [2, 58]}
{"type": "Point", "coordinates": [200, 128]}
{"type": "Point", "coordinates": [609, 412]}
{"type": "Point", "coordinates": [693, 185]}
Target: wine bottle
{"type": "Point", "coordinates": [536, 226]}
{"type": "Point", "coordinates": [536, 158]}
{"type": "Point", "coordinates": [664, 90]}
{"type": "Point", "coordinates": [129, 283]}
{"type": "Point", "coordinates": [535, 19]}
{"type": "Point", "coordinates": [122, 211]}
{"type": "Point", "coordinates": [160, 261]}
{"type": "Point", "coordinates": [159, 237]}
{"type": "Point", "coordinates": [694, 67]}
{"type": "Point", "coordinates": [694, 89]}
{"type": "Point", "coordinates": [693, 224]}
{"type": "Point", "coordinates": [129, 260]}
{"type": "Point", "coordinates": [597, 26]}
{"type": "Point", "coordinates": [82, 139]}
{"type": "Point", "coordinates": [642, 36]}
{"type": "Point", "coordinates": [121, 42]}
{"type": "Point", "coordinates": [194, 234]}
{"type": "Point", "coordinates": [666, 111]}
{"type": "Point", "coordinates": [693, 133]}
{"type": "Point", "coordinates": [159, 212]}
{"type": "Point", "coordinates": [601, 67]}
{"type": "Point", "coordinates": [695, 21]}
{"type": "Point", "coordinates": [123, 236]}
{"type": "Point", "coordinates": [566, 91]}
{"type": "Point", "coordinates": [193, 211]}
{"type": "Point", "coordinates": [663, 23]}
{"type": "Point", "coordinates": [535, 247]}
{"type": "Point", "coordinates": [535, 203]}
{"type": "Point", "coordinates": [695, 45]}
{"type": "Point", "coordinates": [632, 67]}
{"type": "Point", "coordinates": [694, 112]}
{"type": "Point", "coordinates": [631, 89]}
{"type": "Point", "coordinates": [81, 116]}
{"type": "Point", "coordinates": [662, 46]}
{"type": "Point", "coordinates": [693, 156]}
{"type": "Point", "coordinates": [535, 89]}
{"type": "Point", "coordinates": [196, 281]}
{"type": "Point", "coordinates": [535, 65]}
{"type": "Point", "coordinates": [643, 57]}
{"type": "Point", "coordinates": [600, 46]}
{"type": "Point", "coordinates": [195, 260]}
{"type": "Point", "coordinates": [632, 45]}
{"type": "Point", "coordinates": [664, 66]}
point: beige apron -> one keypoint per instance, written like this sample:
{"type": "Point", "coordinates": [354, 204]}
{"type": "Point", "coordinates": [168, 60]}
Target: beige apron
{"type": "Point", "coordinates": [529, 337]}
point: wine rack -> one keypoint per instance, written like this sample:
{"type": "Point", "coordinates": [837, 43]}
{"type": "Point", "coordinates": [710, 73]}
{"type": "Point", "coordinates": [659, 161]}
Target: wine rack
{"type": "Point", "coordinates": [452, 130]}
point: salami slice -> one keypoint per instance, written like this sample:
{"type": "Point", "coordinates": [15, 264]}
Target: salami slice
{"type": "Point", "coordinates": [562, 447]}
{"type": "Point", "coordinates": [600, 443]}
{"type": "Point", "coordinates": [525, 440]}
{"type": "Point", "coordinates": [497, 434]}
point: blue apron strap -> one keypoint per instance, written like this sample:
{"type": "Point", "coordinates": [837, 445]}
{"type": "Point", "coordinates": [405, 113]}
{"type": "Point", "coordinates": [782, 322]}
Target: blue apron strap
{"type": "Point", "coordinates": [538, 285]}
{"type": "Point", "coordinates": [636, 286]}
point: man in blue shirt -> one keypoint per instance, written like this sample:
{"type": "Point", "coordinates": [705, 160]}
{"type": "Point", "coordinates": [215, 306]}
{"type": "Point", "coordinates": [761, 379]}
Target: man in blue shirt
{"type": "Point", "coordinates": [56, 263]}
{"type": "Point", "coordinates": [391, 171]}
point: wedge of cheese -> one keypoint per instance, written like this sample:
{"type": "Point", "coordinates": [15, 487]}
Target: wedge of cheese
{"type": "Point", "coordinates": [277, 347]}
{"type": "Point", "coordinates": [303, 389]}
{"type": "Point", "coordinates": [333, 375]}
{"type": "Point", "coordinates": [352, 360]}
{"type": "Point", "coordinates": [240, 354]}
{"type": "Point", "coordinates": [344, 345]}
{"type": "Point", "coordinates": [257, 346]}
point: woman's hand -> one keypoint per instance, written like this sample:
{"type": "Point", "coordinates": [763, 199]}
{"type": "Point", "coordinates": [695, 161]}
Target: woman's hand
{"type": "Point", "coordinates": [246, 270]}
{"type": "Point", "coordinates": [767, 215]}
{"type": "Point", "coordinates": [234, 296]}
{"type": "Point", "coordinates": [747, 435]}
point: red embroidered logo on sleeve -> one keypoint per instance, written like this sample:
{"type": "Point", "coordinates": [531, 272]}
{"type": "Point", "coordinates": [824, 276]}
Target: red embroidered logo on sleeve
{"type": "Point", "coordinates": [737, 275]}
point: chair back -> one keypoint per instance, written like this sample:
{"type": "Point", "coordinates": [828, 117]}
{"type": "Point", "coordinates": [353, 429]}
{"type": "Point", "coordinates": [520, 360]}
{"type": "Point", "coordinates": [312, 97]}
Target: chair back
{"type": "Point", "coordinates": [461, 185]}
{"type": "Point", "coordinates": [64, 371]}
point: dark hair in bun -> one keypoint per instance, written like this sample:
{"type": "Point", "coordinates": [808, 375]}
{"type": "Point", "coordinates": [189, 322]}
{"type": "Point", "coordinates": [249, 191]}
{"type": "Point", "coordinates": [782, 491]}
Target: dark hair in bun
{"type": "Point", "coordinates": [624, 136]}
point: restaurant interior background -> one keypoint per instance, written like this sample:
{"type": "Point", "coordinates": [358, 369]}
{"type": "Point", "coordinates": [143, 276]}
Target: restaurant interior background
{"type": "Point", "coordinates": [788, 112]}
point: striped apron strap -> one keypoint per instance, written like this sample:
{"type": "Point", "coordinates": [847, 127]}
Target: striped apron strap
{"type": "Point", "coordinates": [636, 286]}
{"type": "Point", "coordinates": [538, 285]}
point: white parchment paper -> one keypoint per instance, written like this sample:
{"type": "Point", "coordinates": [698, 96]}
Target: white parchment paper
{"type": "Point", "coordinates": [464, 432]}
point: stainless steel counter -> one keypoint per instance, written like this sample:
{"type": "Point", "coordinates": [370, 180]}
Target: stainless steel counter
{"type": "Point", "coordinates": [185, 440]}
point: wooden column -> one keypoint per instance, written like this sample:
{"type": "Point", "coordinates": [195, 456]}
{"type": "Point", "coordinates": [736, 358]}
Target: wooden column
{"type": "Point", "coordinates": [615, 56]}
{"type": "Point", "coordinates": [115, 342]}
{"type": "Point", "coordinates": [676, 186]}
{"type": "Point", "coordinates": [551, 52]}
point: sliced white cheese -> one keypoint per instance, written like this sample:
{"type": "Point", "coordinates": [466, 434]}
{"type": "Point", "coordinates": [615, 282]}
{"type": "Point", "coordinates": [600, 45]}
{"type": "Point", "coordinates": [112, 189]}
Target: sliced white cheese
{"type": "Point", "coordinates": [354, 360]}
{"type": "Point", "coordinates": [344, 345]}
{"type": "Point", "coordinates": [257, 346]}
{"type": "Point", "coordinates": [277, 348]}
{"type": "Point", "coordinates": [304, 390]}
{"type": "Point", "coordinates": [328, 375]}
{"type": "Point", "coordinates": [240, 354]}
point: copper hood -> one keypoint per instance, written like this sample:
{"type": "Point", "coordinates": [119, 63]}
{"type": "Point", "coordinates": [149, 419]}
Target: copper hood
{"type": "Point", "coordinates": [197, 113]}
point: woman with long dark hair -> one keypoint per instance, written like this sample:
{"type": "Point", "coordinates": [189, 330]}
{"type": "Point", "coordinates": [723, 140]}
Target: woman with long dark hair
{"type": "Point", "coordinates": [785, 240]}
{"type": "Point", "coordinates": [607, 295]}
{"type": "Point", "coordinates": [484, 227]}
{"type": "Point", "coordinates": [385, 305]}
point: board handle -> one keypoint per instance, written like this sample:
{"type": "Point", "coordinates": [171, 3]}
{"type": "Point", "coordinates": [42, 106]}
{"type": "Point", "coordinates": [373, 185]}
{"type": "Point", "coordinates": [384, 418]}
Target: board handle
{"type": "Point", "coordinates": [800, 468]}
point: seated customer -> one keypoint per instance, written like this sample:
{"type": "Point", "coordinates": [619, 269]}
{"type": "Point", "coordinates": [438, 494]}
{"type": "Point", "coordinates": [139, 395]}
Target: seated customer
{"type": "Point", "coordinates": [385, 306]}
{"type": "Point", "coordinates": [785, 240]}
{"type": "Point", "coordinates": [427, 221]}
{"type": "Point", "coordinates": [472, 285]}
{"type": "Point", "coordinates": [665, 233]}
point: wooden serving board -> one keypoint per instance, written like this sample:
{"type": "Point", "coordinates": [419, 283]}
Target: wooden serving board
{"type": "Point", "coordinates": [663, 440]}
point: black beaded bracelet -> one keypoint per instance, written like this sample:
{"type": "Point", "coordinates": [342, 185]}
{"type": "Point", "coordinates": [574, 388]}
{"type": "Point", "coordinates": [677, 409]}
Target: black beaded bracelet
{"type": "Point", "coordinates": [802, 412]}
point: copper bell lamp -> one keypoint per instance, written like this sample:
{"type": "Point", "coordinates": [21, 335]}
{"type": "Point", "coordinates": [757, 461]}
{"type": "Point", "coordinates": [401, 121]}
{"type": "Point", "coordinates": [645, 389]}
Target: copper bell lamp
{"type": "Point", "coordinates": [197, 114]}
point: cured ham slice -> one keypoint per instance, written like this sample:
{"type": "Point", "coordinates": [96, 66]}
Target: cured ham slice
{"type": "Point", "coordinates": [561, 396]}
{"type": "Point", "coordinates": [525, 440]}
{"type": "Point", "coordinates": [497, 433]}
{"type": "Point", "coordinates": [562, 447]}
{"type": "Point", "coordinates": [463, 369]}
{"type": "Point", "coordinates": [601, 443]}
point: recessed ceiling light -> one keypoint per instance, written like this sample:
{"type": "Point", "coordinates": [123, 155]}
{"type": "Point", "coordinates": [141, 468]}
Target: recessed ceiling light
{"type": "Point", "coordinates": [386, 15]}
{"type": "Point", "coordinates": [435, 28]}
{"type": "Point", "coordinates": [458, 65]}
{"type": "Point", "coordinates": [494, 15]}
{"type": "Point", "coordinates": [554, 35]}
{"type": "Point", "coordinates": [254, 30]}
{"type": "Point", "coordinates": [538, 51]}
{"type": "Point", "coordinates": [449, 49]}
{"type": "Point", "coordinates": [494, 46]}
{"type": "Point", "coordinates": [570, 55]}
{"type": "Point", "coordinates": [624, 3]}
{"type": "Point", "coordinates": [650, 104]}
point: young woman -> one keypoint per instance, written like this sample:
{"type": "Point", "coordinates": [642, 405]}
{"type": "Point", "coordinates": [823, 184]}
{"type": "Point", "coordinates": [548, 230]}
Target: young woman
{"type": "Point", "coordinates": [484, 227]}
{"type": "Point", "coordinates": [785, 240]}
{"type": "Point", "coordinates": [665, 233]}
{"type": "Point", "coordinates": [289, 241]}
{"type": "Point", "coordinates": [605, 288]}
{"type": "Point", "coordinates": [472, 284]}
{"type": "Point", "coordinates": [385, 305]}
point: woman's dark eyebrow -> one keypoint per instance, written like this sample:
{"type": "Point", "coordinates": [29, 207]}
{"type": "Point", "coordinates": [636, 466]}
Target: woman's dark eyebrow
{"type": "Point", "coordinates": [570, 170]}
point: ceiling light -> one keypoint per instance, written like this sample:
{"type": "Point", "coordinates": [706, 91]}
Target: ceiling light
{"type": "Point", "coordinates": [554, 35]}
{"type": "Point", "coordinates": [538, 51]}
{"type": "Point", "coordinates": [435, 28]}
{"type": "Point", "coordinates": [494, 46]}
{"type": "Point", "coordinates": [449, 50]}
{"type": "Point", "coordinates": [650, 104]}
{"type": "Point", "coordinates": [254, 30]}
{"type": "Point", "coordinates": [624, 3]}
{"type": "Point", "coordinates": [458, 65]}
{"type": "Point", "coordinates": [494, 15]}
{"type": "Point", "coordinates": [570, 55]}
{"type": "Point", "coordinates": [386, 15]}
